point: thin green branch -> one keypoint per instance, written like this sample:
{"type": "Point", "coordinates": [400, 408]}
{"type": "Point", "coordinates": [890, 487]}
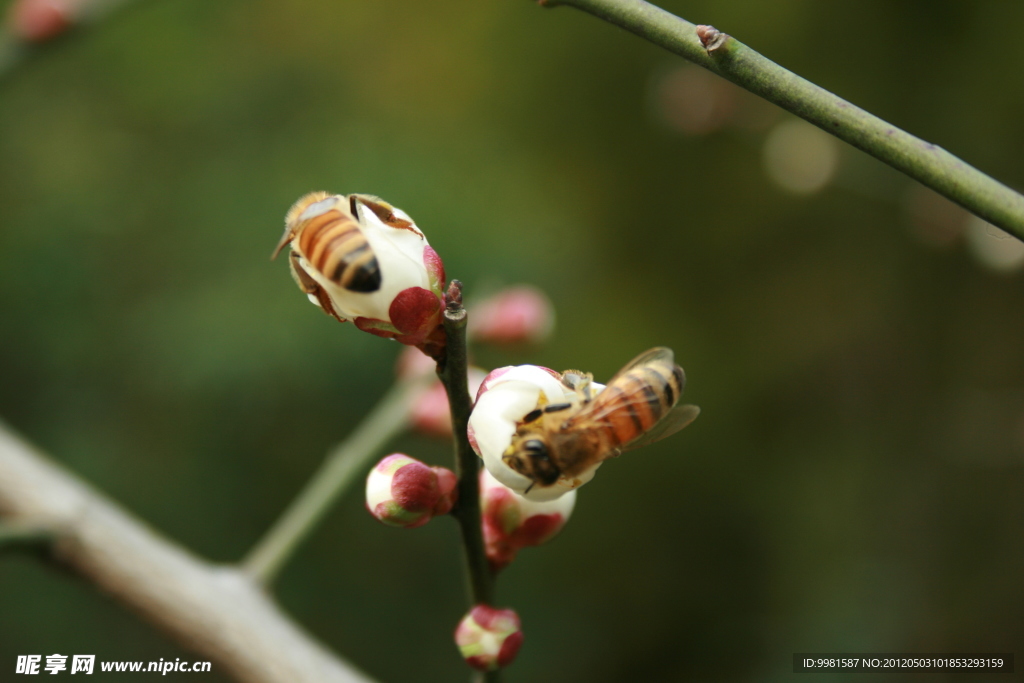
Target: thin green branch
{"type": "Point", "coordinates": [16, 537]}
{"type": "Point", "coordinates": [925, 162]}
{"type": "Point", "coordinates": [454, 376]}
{"type": "Point", "coordinates": [345, 463]}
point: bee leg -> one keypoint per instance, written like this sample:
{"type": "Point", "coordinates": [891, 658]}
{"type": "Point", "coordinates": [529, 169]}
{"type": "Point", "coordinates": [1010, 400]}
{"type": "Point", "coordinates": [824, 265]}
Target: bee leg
{"type": "Point", "coordinates": [579, 382]}
{"type": "Point", "coordinates": [586, 389]}
{"type": "Point", "coordinates": [532, 415]}
{"type": "Point", "coordinates": [311, 287]}
{"type": "Point", "coordinates": [325, 303]}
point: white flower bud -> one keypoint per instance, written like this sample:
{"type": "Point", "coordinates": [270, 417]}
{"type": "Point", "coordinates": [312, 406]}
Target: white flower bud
{"type": "Point", "coordinates": [512, 522]}
{"type": "Point", "coordinates": [505, 397]}
{"type": "Point", "coordinates": [361, 259]}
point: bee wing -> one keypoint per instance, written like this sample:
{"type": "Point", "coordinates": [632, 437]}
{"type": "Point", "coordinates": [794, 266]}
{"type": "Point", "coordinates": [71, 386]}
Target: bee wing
{"type": "Point", "coordinates": [650, 355]}
{"type": "Point", "coordinates": [672, 422]}
{"type": "Point", "coordinates": [608, 402]}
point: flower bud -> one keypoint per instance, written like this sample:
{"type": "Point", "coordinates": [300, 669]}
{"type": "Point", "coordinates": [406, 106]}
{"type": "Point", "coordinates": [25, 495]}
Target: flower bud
{"type": "Point", "coordinates": [489, 638]}
{"type": "Point", "coordinates": [412, 363]}
{"type": "Point", "coordinates": [517, 315]}
{"type": "Point", "coordinates": [361, 259]}
{"type": "Point", "coordinates": [430, 414]}
{"type": "Point", "coordinates": [511, 522]}
{"type": "Point", "coordinates": [36, 21]}
{"type": "Point", "coordinates": [402, 491]}
{"type": "Point", "coordinates": [506, 396]}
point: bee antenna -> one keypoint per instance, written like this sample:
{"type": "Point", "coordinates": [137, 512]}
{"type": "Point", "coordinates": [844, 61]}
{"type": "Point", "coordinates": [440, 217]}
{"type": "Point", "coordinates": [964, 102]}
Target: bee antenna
{"type": "Point", "coordinates": [281, 245]}
{"type": "Point", "coordinates": [532, 484]}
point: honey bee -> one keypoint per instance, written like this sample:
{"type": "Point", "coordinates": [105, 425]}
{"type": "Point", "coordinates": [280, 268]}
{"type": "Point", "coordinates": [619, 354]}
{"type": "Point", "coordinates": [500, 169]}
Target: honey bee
{"type": "Point", "coordinates": [636, 408]}
{"type": "Point", "coordinates": [327, 237]}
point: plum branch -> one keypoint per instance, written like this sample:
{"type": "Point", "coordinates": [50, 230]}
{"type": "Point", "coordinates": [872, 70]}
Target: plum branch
{"type": "Point", "coordinates": [923, 161]}
{"type": "Point", "coordinates": [347, 462]}
{"type": "Point", "coordinates": [454, 374]}
{"type": "Point", "coordinates": [215, 611]}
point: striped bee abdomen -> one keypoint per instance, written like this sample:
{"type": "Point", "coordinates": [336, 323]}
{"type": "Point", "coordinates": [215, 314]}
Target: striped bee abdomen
{"type": "Point", "coordinates": [333, 243]}
{"type": "Point", "coordinates": [636, 400]}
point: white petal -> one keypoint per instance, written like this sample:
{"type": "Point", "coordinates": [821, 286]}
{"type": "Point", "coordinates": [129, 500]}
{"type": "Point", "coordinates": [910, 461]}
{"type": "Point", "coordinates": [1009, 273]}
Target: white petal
{"type": "Point", "coordinates": [529, 507]}
{"type": "Point", "coordinates": [378, 488]}
{"type": "Point", "coordinates": [504, 403]}
{"type": "Point", "coordinates": [400, 258]}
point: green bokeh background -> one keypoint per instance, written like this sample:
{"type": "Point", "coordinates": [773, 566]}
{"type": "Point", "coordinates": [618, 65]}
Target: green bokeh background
{"type": "Point", "coordinates": [853, 484]}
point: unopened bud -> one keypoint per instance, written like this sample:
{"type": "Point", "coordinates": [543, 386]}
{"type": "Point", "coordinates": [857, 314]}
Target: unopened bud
{"type": "Point", "coordinates": [489, 638]}
{"type": "Point", "coordinates": [361, 259]}
{"type": "Point", "coordinates": [517, 315]}
{"type": "Point", "coordinates": [402, 491]}
{"type": "Point", "coordinates": [36, 21]}
{"type": "Point", "coordinates": [430, 413]}
{"type": "Point", "coordinates": [511, 522]}
{"type": "Point", "coordinates": [413, 363]}
{"type": "Point", "coordinates": [710, 37]}
{"type": "Point", "coordinates": [506, 396]}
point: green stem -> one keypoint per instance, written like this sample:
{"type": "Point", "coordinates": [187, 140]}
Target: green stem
{"type": "Point", "coordinates": [18, 537]}
{"type": "Point", "coordinates": [925, 162]}
{"type": "Point", "coordinates": [454, 376]}
{"type": "Point", "coordinates": [342, 466]}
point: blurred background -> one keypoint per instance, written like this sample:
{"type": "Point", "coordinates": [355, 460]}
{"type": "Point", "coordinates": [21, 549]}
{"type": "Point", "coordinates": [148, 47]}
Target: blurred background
{"type": "Point", "coordinates": [855, 480]}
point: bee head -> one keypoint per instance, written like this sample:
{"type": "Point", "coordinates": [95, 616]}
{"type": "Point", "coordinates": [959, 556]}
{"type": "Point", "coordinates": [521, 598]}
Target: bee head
{"type": "Point", "coordinates": [531, 457]}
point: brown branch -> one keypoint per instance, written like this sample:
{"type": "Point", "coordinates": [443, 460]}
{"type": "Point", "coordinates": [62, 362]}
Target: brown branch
{"type": "Point", "coordinates": [454, 374]}
{"type": "Point", "coordinates": [215, 611]}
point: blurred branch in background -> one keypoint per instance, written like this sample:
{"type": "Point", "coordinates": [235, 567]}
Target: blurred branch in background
{"type": "Point", "coordinates": [29, 24]}
{"type": "Point", "coordinates": [24, 537]}
{"type": "Point", "coordinates": [216, 611]}
{"type": "Point", "coordinates": [346, 462]}
{"type": "Point", "coordinates": [731, 59]}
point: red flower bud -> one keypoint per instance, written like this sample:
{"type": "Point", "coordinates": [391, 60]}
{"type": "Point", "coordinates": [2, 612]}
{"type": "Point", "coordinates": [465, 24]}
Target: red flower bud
{"type": "Point", "coordinates": [517, 315]}
{"type": "Point", "coordinates": [489, 638]}
{"type": "Point", "coordinates": [430, 412]}
{"type": "Point", "coordinates": [39, 20]}
{"type": "Point", "coordinates": [402, 491]}
{"type": "Point", "coordinates": [412, 363]}
{"type": "Point", "coordinates": [511, 522]}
